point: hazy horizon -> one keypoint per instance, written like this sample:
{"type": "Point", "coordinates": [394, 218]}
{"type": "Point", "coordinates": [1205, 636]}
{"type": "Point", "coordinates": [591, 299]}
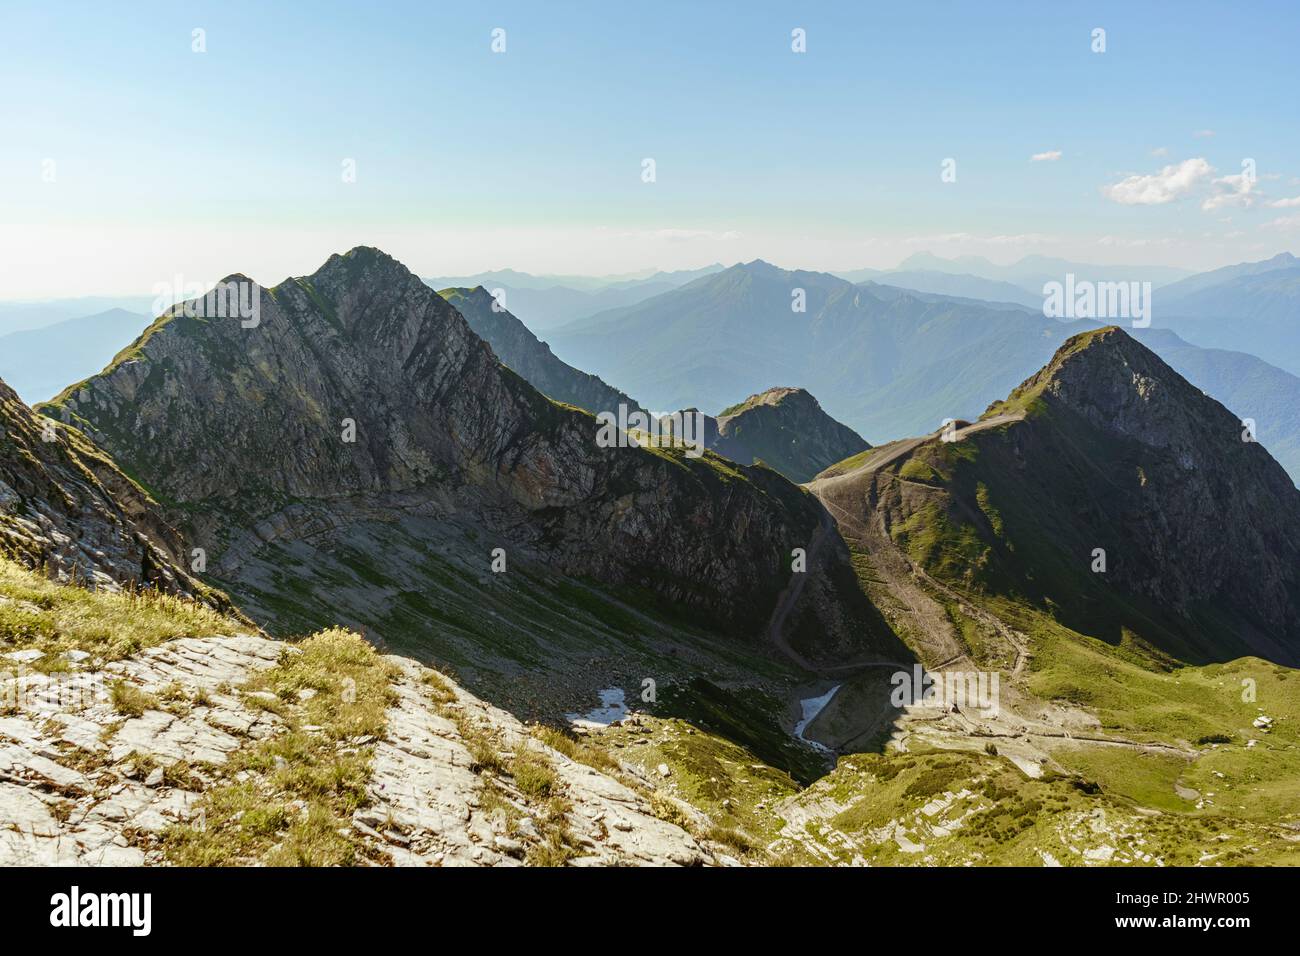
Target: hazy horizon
{"type": "Point", "coordinates": [208, 140]}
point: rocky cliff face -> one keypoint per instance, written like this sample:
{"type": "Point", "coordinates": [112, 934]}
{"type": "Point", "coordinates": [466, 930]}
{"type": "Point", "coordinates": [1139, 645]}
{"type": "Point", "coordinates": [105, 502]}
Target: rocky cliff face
{"type": "Point", "coordinates": [532, 358]}
{"type": "Point", "coordinates": [1112, 493]}
{"type": "Point", "coordinates": [787, 429]}
{"type": "Point", "coordinates": [65, 506]}
{"type": "Point", "coordinates": [361, 396]}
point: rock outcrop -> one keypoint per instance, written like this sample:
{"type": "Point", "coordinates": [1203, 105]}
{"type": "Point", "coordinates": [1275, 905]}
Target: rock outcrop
{"type": "Point", "coordinates": [66, 507]}
{"type": "Point", "coordinates": [786, 429]}
{"type": "Point", "coordinates": [80, 784]}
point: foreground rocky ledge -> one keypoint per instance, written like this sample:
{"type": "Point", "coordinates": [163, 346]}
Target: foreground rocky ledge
{"type": "Point", "coordinates": [103, 780]}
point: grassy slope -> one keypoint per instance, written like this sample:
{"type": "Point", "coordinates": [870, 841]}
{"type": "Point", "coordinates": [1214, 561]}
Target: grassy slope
{"type": "Point", "coordinates": [39, 614]}
{"type": "Point", "coordinates": [1229, 803]}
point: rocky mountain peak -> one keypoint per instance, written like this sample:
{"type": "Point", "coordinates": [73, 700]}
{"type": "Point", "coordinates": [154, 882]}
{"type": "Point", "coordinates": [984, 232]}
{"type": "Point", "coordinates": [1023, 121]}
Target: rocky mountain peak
{"type": "Point", "coordinates": [363, 396]}
{"type": "Point", "coordinates": [1111, 490]}
{"type": "Point", "coordinates": [785, 428]}
{"type": "Point", "coordinates": [1123, 388]}
{"type": "Point", "coordinates": [775, 396]}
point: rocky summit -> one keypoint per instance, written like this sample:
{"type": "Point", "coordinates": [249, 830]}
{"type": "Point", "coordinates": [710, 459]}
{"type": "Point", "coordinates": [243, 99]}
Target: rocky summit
{"type": "Point", "coordinates": [362, 407]}
{"type": "Point", "coordinates": [1107, 491]}
{"type": "Point", "coordinates": [787, 429]}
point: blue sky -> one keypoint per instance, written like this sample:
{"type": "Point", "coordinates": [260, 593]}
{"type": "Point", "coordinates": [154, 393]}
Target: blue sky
{"type": "Point", "coordinates": [166, 160]}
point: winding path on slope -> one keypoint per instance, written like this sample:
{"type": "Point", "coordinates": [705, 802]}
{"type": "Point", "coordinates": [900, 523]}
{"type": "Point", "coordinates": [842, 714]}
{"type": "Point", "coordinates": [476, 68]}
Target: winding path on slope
{"type": "Point", "coordinates": [904, 580]}
{"type": "Point", "coordinates": [790, 596]}
{"type": "Point", "coordinates": [900, 577]}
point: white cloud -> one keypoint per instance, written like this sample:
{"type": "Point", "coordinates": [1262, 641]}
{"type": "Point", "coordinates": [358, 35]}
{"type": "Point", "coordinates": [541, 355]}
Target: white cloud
{"type": "Point", "coordinates": [1160, 151]}
{"type": "Point", "coordinates": [1285, 203]}
{"type": "Point", "coordinates": [1285, 223]}
{"type": "Point", "coordinates": [1203, 133]}
{"type": "Point", "coordinates": [1235, 190]}
{"type": "Point", "coordinates": [1051, 156]}
{"type": "Point", "coordinates": [1159, 188]}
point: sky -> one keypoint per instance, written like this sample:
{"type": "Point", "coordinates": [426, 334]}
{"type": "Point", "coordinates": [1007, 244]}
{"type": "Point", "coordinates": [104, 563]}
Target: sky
{"type": "Point", "coordinates": [128, 156]}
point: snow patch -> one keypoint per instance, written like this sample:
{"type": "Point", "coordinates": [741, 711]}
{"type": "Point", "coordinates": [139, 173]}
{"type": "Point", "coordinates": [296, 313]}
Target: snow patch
{"type": "Point", "coordinates": [810, 708]}
{"type": "Point", "coordinates": [611, 709]}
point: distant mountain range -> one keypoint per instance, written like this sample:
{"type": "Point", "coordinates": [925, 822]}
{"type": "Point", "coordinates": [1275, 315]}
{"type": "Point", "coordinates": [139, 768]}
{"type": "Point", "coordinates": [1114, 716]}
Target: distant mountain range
{"type": "Point", "coordinates": [1101, 539]}
{"type": "Point", "coordinates": [926, 355]}
{"type": "Point", "coordinates": [884, 361]}
{"type": "Point", "coordinates": [1032, 271]}
{"type": "Point", "coordinates": [1253, 307]}
{"type": "Point", "coordinates": [524, 353]}
{"type": "Point", "coordinates": [40, 363]}
{"type": "Point", "coordinates": [549, 301]}
{"type": "Point", "coordinates": [959, 286]}
{"type": "Point", "coordinates": [20, 316]}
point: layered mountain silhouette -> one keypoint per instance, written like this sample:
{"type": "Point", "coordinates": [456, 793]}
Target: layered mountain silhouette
{"type": "Point", "coordinates": [361, 453]}
{"type": "Point", "coordinates": [1031, 272]}
{"type": "Point", "coordinates": [1106, 492]}
{"type": "Point", "coordinates": [532, 358]}
{"type": "Point", "coordinates": [882, 362]}
{"type": "Point", "coordinates": [551, 301]}
{"type": "Point", "coordinates": [1252, 307]}
{"type": "Point", "coordinates": [39, 363]}
{"type": "Point", "coordinates": [362, 456]}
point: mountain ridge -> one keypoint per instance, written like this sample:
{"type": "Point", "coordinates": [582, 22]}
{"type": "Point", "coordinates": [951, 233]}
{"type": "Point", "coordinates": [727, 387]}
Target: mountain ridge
{"type": "Point", "coordinates": [1193, 520]}
{"type": "Point", "coordinates": [442, 432]}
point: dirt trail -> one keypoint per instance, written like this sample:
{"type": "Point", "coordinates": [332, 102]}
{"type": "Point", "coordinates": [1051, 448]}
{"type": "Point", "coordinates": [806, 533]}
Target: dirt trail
{"type": "Point", "coordinates": [790, 596]}
{"type": "Point", "coordinates": [919, 598]}
{"type": "Point", "coordinates": [844, 495]}
{"type": "Point", "coordinates": [931, 630]}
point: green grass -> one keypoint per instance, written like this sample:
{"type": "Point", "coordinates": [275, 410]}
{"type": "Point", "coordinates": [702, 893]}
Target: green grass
{"type": "Point", "coordinates": [985, 812]}
{"type": "Point", "coordinates": [295, 807]}
{"type": "Point", "coordinates": [130, 701]}
{"type": "Point", "coordinates": [726, 781]}
{"type": "Point", "coordinates": [1145, 778]}
{"type": "Point", "coordinates": [41, 614]}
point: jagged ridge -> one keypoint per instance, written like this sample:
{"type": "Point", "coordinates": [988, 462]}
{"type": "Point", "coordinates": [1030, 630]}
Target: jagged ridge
{"type": "Point", "coordinates": [239, 430]}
